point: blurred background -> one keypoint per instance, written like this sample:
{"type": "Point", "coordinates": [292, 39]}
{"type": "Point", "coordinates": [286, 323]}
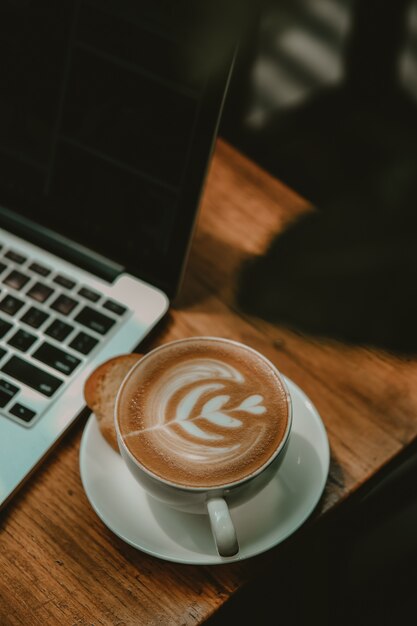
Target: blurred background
{"type": "Point", "coordinates": [324, 96]}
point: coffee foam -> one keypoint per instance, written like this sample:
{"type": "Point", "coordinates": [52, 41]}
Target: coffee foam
{"type": "Point", "coordinates": [203, 413]}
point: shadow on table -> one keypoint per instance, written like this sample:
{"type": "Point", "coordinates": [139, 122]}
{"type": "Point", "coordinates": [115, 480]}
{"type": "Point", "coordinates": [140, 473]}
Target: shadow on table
{"type": "Point", "coordinates": [329, 279]}
{"type": "Point", "coordinates": [349, 270]}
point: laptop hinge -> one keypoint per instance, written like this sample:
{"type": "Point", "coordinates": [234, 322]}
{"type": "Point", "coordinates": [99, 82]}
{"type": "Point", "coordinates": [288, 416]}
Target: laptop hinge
{"type": "Point", "coordinates": [61, 246]}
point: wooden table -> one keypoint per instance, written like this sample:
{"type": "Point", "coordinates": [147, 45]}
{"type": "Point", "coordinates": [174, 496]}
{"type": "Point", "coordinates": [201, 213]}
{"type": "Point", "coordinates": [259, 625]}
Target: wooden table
{"type": "Point", "coordinates": [60, 565]}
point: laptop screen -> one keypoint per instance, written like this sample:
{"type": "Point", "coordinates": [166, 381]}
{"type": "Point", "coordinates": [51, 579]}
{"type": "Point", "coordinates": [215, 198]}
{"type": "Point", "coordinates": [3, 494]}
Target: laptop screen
{"type": "Point", "coordinates": [108, 111]}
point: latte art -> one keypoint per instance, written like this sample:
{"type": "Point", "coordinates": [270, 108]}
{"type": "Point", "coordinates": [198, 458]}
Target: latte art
{"type": "Point", "coordinates": [203, 414]}
{"type": "Point", "coordinates": [190, 432]}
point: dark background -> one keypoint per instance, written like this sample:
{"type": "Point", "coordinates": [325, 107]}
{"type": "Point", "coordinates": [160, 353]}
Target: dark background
{"type": "Point", "coordinates": [326, 95]}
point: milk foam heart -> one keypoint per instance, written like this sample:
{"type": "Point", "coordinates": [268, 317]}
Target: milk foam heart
{"type": "Point", "coordinates": [203, 413]}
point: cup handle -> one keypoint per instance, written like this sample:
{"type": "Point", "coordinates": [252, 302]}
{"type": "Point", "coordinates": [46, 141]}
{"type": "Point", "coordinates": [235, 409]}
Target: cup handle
{"type": "Point", "coordinates": [222, 527]}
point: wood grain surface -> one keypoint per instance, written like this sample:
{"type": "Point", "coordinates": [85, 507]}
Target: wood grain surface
{"type": "Point", "coordinates": [60, 565]}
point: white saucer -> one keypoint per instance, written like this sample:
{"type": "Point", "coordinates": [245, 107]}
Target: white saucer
{"type": "Point", "coordinates": [263, 522]}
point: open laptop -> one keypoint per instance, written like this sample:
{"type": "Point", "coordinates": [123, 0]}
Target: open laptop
{"type": "Point", "coordinates": [108, 113]}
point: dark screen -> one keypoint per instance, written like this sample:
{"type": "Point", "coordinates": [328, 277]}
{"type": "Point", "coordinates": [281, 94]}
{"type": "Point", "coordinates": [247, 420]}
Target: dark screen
{"type": "Point", "coordinates": [108, 112]}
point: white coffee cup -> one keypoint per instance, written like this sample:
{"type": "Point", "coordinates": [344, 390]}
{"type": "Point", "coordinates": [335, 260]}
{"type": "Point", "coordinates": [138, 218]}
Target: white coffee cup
{"type": "Point", "coordinates": [214, 500]}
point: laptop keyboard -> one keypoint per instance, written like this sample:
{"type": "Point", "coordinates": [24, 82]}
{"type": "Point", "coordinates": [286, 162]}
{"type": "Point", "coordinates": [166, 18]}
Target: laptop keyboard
{"type": "Point", "coordinates": [49, 326]}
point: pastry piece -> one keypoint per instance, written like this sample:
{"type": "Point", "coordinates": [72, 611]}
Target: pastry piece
{"type": "Point", "coordinates": [100, 392]}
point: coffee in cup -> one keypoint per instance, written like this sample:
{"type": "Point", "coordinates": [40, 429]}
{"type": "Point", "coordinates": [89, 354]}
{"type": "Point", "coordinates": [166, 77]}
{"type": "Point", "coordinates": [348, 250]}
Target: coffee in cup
{"type": "Point", "coordinates": [198, 420]}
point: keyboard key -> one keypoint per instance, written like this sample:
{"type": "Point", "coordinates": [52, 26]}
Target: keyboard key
{"type": "Point", "coordinates": [22, 412]}
{"type": "Point", "coordinates": [89, 294]}
{"type": "Point", "coordinates": [59, 330]}
{"type": "Point", "coordinates": [11, 305]}
{"type": "Point", "coordinates": [63, 281]}
{"type": "Point", "coordinates": [16, 257]}
{"type": "Point", "coordinates": [56, 358]}
{"type": "Point", "coordinates": [22, 340]}
{"type": "Point", "coordinates": [83, 343]}
{"type": "Point", "coordinates": [3, 266]}
{"type": "Point", "coordinates": [34, 317]}
{"type": "Point", "coordinates": [94, 320]}
{"type": "Point", "coordinates": [32, 376]}
{"type": "Point", "coordinates": [4, 327]}
{"type": "Point", "coordinates": [2, 353]}
{"type": "Point", "coordinates": [114, 307]}
{"type": "Point", "coordinates": [64, 305]}
{"type": "Point", "coordinates": [39, 269]}
{"type": "Point", "coordinates": [40, 292]}
{"type": "Point", "coordinates": [16, 279]}
{"type": "Point", "coordinates": [7, 392]}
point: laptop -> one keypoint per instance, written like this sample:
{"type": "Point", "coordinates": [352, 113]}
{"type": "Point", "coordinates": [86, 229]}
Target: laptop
{"type": "Point", "coordinates": [108, 114]}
